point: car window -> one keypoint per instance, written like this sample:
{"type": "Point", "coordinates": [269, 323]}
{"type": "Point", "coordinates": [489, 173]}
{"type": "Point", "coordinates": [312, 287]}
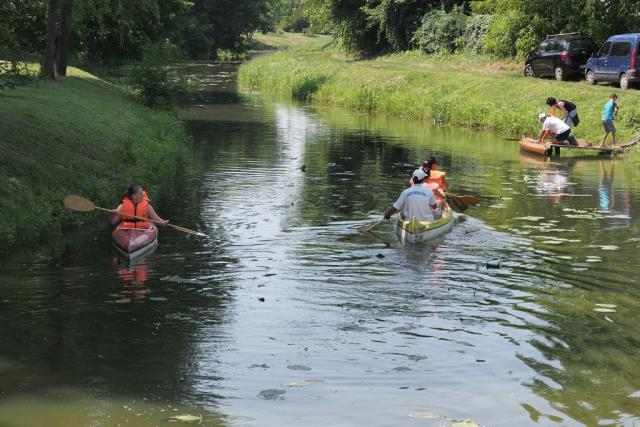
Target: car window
{"type": "Point", "coordinates": [543, 46]}
{"type": "Point", "coordinates": [604, 50]}
{"type": "Point", "coordinates": [581, 44]}
{"type": "Point", "coordinates": [552, 46]}
{"type": "Point", "coordinates": [621, 49]}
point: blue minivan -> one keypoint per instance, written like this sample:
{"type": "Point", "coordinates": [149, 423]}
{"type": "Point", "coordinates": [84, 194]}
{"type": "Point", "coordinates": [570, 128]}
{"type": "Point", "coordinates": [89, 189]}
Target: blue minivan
{"type": "Point", "coordinates": [615, 61]}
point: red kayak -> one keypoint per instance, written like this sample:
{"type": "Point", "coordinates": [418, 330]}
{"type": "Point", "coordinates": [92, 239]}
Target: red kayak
{"type": "Point", "coordinates": [133, 242]}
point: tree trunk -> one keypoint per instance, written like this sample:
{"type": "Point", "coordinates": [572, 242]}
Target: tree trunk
{"type": "Point", "coordinates": [49, 66]}
{"type": "Point", "coordinates": [62, 47]}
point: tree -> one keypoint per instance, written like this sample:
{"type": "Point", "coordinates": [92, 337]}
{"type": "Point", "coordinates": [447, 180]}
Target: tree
{"type": "Point", "coordinates": [48, 67]}
{"type": "Point", "coordinates": [62, 44]}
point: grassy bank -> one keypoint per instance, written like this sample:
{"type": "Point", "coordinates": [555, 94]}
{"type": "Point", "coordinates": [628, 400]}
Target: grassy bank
{"type": "Point", "coordinates": [467, 91]}
{"type": "Point", "coordinates": [76, 135]}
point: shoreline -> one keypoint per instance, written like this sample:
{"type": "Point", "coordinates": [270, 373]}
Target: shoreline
{"type": "Point", "coordinates": [464, 91]}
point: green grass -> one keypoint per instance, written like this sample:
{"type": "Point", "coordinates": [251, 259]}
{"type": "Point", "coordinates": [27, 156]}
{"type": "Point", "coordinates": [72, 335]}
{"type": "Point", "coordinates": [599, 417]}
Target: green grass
{"type": "Point", "coordinates": [459, 90]}
{"type": "Point", "coordinates": [284, 41]}
{"type": "Point", "coordinates": [77, 135]}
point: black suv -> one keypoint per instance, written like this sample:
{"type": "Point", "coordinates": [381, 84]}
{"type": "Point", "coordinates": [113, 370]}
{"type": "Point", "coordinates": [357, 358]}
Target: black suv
{"type": "Point", "coordinates": [560, 55]}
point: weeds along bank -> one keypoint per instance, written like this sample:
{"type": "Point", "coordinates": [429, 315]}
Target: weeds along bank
{"type": "Point", "coordinates": [459, 90]}
{"type": "Point", "coordinates": [77, 135]}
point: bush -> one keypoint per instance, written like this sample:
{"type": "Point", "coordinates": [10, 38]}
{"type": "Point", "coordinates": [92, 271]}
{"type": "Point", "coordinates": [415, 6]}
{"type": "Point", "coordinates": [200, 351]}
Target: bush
{"type": "Point", "coordinates": [14, 73]}
{"type": "Point", "coordinates": [477, 28]}
{"type": "Point", "coordinates": [152, 77]}
{"type": "Point", "coordinates": [514, 35]}
{"type": "Point", "coordinates": [441, 32]}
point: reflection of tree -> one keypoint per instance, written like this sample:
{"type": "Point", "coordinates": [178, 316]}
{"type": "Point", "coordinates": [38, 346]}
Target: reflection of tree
{"type": "Point", "coordinates": [589, 366]}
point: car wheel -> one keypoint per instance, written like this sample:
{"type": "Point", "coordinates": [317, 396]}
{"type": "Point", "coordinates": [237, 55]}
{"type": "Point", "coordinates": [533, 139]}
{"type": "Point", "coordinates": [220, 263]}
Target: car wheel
{"type": "Point", "coordinates": [591, 77]}
{"type": "Point", "coordinates": [624, 82]}
{"type": "Point", "coordinates": [558, 72]}
{"type": "Point", "coordinates": [528, 71]}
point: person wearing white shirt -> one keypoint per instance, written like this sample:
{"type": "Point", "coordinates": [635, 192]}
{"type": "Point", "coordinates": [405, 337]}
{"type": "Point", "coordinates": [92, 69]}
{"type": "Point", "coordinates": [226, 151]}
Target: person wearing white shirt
{"type": "Point", "coordinates": [416, 201]}
{"type": "Point", "coordinates": [553, 126]}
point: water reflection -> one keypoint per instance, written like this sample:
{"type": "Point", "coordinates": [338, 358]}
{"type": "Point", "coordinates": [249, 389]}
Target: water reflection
{"type": "Point", "coordinates": [285, 315]}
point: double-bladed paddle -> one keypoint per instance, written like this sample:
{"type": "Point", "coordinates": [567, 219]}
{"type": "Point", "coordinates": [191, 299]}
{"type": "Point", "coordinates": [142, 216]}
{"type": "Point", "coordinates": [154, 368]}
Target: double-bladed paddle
{"type": "Point", "coordinates": [80, 204]}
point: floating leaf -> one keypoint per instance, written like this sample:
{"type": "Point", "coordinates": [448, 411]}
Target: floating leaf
{"type": "Point", "coordinates": [465, 423]}
{"type": "Point", "coordinates": [424, 415]}
{"type": "Point", "coordinates": [302, 383]}
{"type": "Point", "coordinates": [186, 418]}
{"type": "Point", "coordinates": [271, 394]}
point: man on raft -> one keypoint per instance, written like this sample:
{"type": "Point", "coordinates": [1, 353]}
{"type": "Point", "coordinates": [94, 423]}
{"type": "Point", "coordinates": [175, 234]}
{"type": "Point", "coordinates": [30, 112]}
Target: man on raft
{"type": "Point", "coordinates": [416, 201]}
{"type": "Point", "coordinates": [135, 203]}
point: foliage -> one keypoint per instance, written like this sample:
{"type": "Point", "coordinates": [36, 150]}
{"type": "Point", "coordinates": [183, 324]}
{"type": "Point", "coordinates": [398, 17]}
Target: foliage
{"type": "Point", "coordinates": [441, 32]}
{"type": "Point", "coordinates": [152, 76]}
{"type": "Point", "coordinates": [15, 73]}
{"type": "Point", "coordinates": [477, 28]}
{"type": "Point", "coordinates": [111, 31]}
{"type": "Point", "coordinates": [319, 14]}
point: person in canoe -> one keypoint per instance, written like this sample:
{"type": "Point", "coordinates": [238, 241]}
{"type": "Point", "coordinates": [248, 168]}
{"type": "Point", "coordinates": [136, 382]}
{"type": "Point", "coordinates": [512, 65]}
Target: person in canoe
{"type": "Point", "coordinates": [135, 202]}
{"type": "Point", "coordinates": [435, 175]}
{"type": "Point", "coordinates": [416, 201]}
{"type": "Point", "coordinates": [553, 126]}
{"type": "Point", "coordinates": [568, 108]}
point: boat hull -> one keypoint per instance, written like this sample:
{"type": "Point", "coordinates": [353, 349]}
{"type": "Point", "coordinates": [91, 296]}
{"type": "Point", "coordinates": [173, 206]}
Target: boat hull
{"type": "Point", "coordinates": [532, 145]}
{"type": "Point", "coordinates": [419, 231]}
{"type": "Point", "coordinates": [133, 242]}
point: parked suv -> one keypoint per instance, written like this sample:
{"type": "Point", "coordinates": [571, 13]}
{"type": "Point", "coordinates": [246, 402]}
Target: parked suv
{"type": "Point", "coordinates": [560, 55]}
{"type": "Point", "coordinates": [616, 61]}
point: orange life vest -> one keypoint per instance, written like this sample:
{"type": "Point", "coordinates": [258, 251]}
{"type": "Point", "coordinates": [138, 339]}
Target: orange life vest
{"type": "Point", "coordinates": [141, 210]}
{"type": "Point", "coordinates": [437, 177]}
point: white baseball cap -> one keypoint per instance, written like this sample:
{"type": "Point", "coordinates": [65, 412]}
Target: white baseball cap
{"type": "Point", "coordinates": [542, 116]}
{"type": "Point", "coordinates": [419, 174]}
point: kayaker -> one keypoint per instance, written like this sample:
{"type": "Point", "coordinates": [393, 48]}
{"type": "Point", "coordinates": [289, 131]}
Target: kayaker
{"type": "Point", "coordinates": [435, 176]}
{"type": "Point", "coordinates": [135, 202]}
{"type": "Point", "coordinates": [568, 108]}
{"type": "Point", "coordinates": [416, 201]}
{"type": "Point", "coordinates": [553, 126]}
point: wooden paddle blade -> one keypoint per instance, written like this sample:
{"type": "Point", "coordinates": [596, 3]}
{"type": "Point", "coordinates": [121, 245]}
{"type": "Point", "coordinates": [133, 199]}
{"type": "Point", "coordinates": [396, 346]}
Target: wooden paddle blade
{"type": "Point", "coordinates": [187, 230]}
{"type": "Point", "coordinates": [469, 200]}
{"type": "Point", "coordinates": [79, 204]}
{"type": "Point", "coordinates": [370, 227]}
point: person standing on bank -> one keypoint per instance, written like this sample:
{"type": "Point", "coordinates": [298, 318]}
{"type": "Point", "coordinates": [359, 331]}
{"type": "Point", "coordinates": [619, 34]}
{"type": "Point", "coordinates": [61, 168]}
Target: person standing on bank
{"type": "Point", "coordinates": [416, 201]}
{"type": "Point", "coordinates": [609, 114]}
{"type": "Point", "coordinates": [568, 108]}
{"type": "Point", "coordinates": [553, 126]}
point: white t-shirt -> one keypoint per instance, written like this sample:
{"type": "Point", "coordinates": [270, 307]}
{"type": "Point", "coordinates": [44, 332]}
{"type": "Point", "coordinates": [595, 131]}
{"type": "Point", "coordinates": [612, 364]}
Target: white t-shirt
{"type": "Point", "coordinates": [555, 125]}
{"type": "Point", "coordinates": [416, 201]}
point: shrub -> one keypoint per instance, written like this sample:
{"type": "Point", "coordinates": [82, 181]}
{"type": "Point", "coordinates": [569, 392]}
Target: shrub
{"type": "Point", "coordinates": [15, 73]}
{"type": "Point", "coordinates": [152, 77]}
{"type": "Point", "coordinates": [477, 28]}
{"type": "Point", "coordinates": [440, 32]}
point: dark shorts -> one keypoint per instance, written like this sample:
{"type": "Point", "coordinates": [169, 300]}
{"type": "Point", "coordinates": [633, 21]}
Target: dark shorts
{"type": "Point", "coordinates": [608, 125]}
{"type": "Point", "coordinates": [563, 136]}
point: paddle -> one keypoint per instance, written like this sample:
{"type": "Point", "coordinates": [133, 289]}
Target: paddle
{"type": "Point", "coordinates": [370, 227]}
{"type": "Point", "coordinates": [463, 202]}
{"type": "Point", "coordinates": [80, 204]}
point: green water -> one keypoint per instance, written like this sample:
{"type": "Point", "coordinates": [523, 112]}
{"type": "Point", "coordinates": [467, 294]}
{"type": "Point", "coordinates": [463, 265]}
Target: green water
{"type": "Point", "coordinates": [285, 315]}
